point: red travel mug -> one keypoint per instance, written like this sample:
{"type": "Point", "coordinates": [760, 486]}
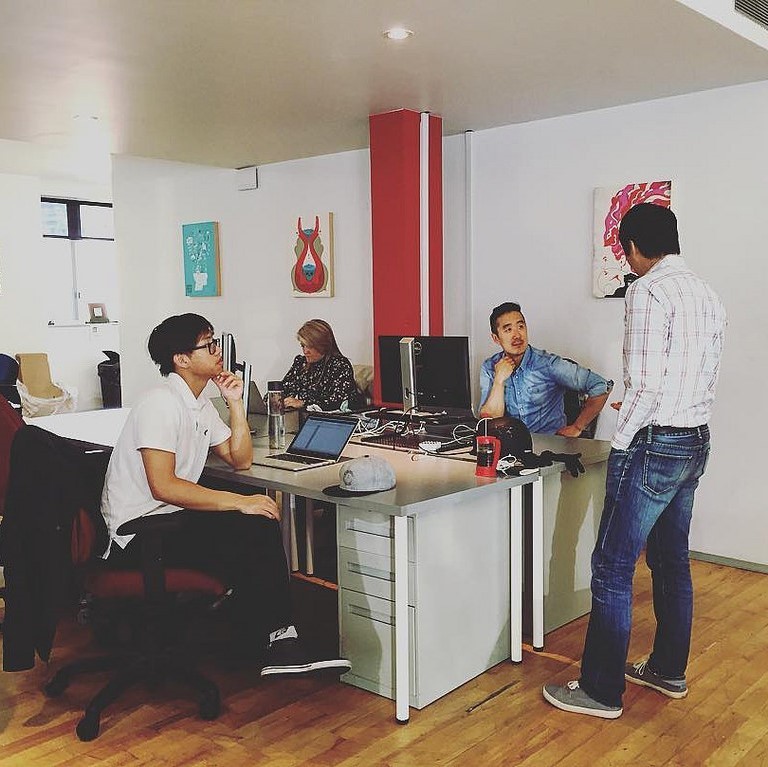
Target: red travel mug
{"type": "Point", "coordinates": [488, 452]}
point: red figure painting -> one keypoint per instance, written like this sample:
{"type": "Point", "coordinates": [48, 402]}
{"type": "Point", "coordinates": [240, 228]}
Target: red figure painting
{"type": "Point", "coordinates": [310, 274]}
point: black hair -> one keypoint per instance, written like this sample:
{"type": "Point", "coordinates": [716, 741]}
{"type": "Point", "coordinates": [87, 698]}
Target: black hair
{"type": "Point", "coordinates": [175, 335]}
{"type": "Point", "coordinates": [505, 308]}
{"type": "Point", "coordinates": [653, 229]}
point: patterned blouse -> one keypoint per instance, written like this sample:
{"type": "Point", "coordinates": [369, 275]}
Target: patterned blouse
{"type": "Point", "coordinates": [328, 382]}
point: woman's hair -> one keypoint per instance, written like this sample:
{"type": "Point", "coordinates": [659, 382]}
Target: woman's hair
{"type": "Point", "coordinates": [319, 335]}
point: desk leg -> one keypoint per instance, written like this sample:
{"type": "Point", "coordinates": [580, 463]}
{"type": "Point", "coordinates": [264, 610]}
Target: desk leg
{"type": "Point", "coordinates": [516, 574]}
{"type": "Point", "coordinates": [402, 650]}
{"type": "Point", "coordinates": [537, 561]}
{"type": "Point", "coordinates": [309, 536]}
{"type": "Point", "coordinates": [288, 529]}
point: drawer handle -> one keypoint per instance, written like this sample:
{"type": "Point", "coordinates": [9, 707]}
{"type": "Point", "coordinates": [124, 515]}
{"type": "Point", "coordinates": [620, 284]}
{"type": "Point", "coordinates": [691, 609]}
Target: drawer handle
{"type": "Point", "coordinates": [373, 572]}
{"type": "Point", "coordinates": [374, 615]}
{"type": "Point", "coordinates": [359, 526]}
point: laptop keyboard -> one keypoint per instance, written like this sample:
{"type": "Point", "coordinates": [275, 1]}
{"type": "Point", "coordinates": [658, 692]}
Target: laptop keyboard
{"type": "Point", "coordinates": [297, 458]}
{"type": "Point", "coordinates": [391, 439]}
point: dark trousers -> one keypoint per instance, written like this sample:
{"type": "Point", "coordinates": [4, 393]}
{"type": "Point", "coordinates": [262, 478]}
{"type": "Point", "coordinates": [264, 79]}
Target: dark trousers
{"type": "Point", "coordinates": [244, 551]}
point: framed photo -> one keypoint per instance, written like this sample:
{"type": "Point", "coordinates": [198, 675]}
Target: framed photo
{"type": "Point", "coordinates": [98, 313]}
{"type": "Point", "coordinates": [312, 258]}
{"type": "Point", "coordinates": [611, 274]}
{"type": "Point", "coordinates": [202, 275]}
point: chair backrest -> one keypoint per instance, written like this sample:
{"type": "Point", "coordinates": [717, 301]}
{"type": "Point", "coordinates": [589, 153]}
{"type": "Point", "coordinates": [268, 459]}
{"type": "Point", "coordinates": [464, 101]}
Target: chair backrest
{"type": "Point", "coordinates": [10, 423]}
{"type": "Point", "coordinates": [364, 382]}
{"type": "Point", "coordinates": [9, 373]}
{"type": "Point", "coordinates": [35, 374]}
{"type": "Point", "coordinates": [573, 402]}
{"type": "Point", "coordinates": [9, 369]}
{"type": "Point", "coordinates": [89, 529]}
{"type": "Point", "coordinates": [75, 474]}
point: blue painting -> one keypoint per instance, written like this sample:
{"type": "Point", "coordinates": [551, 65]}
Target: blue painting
{"type": "Point", "coordinates": [201, 259]}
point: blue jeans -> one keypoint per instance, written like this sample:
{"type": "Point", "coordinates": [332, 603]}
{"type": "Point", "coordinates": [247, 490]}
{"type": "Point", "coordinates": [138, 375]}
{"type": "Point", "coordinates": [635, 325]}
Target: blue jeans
{"type": "Point", "coordinates": [648, 500]}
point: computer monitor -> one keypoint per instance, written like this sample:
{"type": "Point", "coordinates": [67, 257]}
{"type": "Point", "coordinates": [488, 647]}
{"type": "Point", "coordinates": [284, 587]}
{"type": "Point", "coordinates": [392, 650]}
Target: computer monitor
{"type": "Point", "coordinates": [229, 360]}
{"type": "Point", "coordinates": [440, 371]}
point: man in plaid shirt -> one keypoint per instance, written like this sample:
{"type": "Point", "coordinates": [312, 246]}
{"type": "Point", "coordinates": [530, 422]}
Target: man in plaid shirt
{"type": "Point", "coordinates": [673, 338]}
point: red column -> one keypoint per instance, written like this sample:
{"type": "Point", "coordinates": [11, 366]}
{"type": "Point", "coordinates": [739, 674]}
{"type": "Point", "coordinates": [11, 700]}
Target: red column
{"type": "Point", "coordinates": [397, 197]}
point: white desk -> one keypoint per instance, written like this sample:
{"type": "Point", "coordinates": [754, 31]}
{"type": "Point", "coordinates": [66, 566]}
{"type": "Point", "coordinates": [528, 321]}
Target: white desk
{"type": "Point", "coordinates": [102, 427]}
{"type": "Point", "coordinates": [440, 497]}
{"type": "Point", "coordinates": [564, 534]}
{"type": "Point", "coordinates": [442, 551]}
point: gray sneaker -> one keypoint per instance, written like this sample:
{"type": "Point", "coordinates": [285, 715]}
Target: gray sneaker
{"type": "Point", "coordinates": [571, 697]}
{"type": "Point", "coordinates": [640, 673]}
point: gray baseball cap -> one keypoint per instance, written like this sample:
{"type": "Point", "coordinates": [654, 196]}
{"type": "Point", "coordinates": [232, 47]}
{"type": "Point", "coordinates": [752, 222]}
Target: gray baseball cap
{"type": "Point", "coordinates": [362, 476]}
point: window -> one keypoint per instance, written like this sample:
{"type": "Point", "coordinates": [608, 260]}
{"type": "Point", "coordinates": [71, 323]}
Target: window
{"type": "Point", "coordinates": [77, 220]}
{"type": "Point", "coordinates": [80, 259]}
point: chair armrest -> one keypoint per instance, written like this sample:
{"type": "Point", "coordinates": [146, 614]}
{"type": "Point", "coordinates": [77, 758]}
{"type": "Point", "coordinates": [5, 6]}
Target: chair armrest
{"type": "Point", "coordinates": [152, 528]}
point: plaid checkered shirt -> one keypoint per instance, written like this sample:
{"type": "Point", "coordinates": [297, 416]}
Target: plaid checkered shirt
{"type": "Point", "coordinates": [674, 325]}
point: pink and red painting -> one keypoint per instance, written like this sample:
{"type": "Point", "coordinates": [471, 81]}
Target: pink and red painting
{"type": "Point", "coordinates": [312, 263]}
{"type": "Point", "coordinates": [611, 274]}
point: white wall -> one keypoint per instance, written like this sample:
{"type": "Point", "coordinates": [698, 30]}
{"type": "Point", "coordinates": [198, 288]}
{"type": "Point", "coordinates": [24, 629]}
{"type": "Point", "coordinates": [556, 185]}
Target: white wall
{"type": "Point", "coordinates": [26, 173]}
{"type": "Point", "coordinates": [154, 198]}
{"type": "Point", "coordinates": [456, 291]}
{"type": "Point", "coordinates": [22, 318]}
{"type": "Point", "coordinates": [533, 188]}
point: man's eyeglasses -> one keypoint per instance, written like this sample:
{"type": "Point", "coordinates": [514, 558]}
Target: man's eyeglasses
{"type": "Point", "coordinates": [212, 345]}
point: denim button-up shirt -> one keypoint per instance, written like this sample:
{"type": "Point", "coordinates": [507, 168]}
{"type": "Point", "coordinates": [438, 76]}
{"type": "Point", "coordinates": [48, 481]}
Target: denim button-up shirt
{"type": "Point", "coordinates": [534, 392]}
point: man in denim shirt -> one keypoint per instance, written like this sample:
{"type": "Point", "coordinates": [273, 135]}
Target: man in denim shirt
{"type": "Point", "coordinates": [529, 383]}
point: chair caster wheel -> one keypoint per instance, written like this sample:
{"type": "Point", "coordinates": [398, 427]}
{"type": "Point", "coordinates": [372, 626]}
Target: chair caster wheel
{"type": "Point", "coordinates": [210, 706]}
{"type": "Point", "coordinates": [56, 686]}
{"type": "Point", "coordinates": [88, 727]}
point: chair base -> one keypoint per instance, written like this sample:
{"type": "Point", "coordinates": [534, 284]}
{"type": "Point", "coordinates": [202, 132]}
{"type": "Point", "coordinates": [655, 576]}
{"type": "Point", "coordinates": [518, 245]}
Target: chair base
{"type": "Point", "coordinates": [133, 670]}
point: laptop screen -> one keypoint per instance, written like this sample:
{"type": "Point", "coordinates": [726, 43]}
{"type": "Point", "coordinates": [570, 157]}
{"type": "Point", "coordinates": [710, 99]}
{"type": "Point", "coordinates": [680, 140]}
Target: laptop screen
{"type": "Point", "coordinates": [323, 437]}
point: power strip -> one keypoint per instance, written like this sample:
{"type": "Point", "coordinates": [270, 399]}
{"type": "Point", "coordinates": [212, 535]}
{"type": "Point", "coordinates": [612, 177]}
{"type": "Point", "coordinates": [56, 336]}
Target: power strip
{"type": "Point", "coordinates": [433, 446]}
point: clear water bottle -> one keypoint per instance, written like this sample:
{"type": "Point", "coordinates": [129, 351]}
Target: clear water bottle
{"type": "Point", "coordinates": [276, 411]}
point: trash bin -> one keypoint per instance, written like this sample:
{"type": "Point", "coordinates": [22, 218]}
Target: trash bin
{"type": "Point", "coordinates": [109, 373]}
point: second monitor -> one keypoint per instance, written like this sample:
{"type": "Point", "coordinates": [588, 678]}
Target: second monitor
{"type": "Point", "coordinates": [440, 372]}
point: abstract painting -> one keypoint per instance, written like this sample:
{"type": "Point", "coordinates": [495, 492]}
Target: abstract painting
{"type": "Point", "coordinates": [201, 259]}
{"type": "Point", "coordinates": [611, 274]}
{"type": "Point", "coordinates": [312, 262]}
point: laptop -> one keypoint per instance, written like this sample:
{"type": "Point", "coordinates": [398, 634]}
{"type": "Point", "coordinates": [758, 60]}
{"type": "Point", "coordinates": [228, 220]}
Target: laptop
{"type": "Point", "coordinates": [319, 442]}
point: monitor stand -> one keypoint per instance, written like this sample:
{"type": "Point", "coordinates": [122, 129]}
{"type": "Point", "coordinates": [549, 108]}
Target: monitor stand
{"type": "Point", "coordinates": [408, 373]}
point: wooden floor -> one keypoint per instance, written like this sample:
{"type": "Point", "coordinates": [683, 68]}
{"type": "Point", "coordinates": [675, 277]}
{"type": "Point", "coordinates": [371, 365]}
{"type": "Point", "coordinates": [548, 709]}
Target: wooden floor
{"type": "Point", "coordinates": [499, 718]}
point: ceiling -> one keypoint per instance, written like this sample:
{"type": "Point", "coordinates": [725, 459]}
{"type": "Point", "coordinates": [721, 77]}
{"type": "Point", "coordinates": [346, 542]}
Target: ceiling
{"type": "Point", "coordinates": [246, 82]}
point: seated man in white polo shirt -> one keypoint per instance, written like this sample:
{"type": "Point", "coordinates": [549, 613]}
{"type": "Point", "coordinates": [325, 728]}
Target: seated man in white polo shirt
{"type": "Point", "coordinates": [155, 467]}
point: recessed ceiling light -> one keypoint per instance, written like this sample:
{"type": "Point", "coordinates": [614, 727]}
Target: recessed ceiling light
{"type": "Point", "coordinates": [397, 33]}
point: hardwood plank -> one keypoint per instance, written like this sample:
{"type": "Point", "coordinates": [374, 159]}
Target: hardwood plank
{"type": "Point", "coordinates": [499, 718]}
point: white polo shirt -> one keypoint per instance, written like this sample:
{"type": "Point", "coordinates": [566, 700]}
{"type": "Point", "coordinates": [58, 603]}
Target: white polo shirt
{"type": "Point", "coordinates": [167, 418]}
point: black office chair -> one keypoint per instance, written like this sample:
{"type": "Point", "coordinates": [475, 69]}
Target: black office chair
{"type": "Point", "coordinates": [573, 402]}
{"type": "Point", "coordinates": [65, 512]}
{"type": "Point", "coordinates": [9, 374]}
{"type": "Point", "coordinates": [10, 423]}
{"type": "Point", "coordinates": [154, 599]}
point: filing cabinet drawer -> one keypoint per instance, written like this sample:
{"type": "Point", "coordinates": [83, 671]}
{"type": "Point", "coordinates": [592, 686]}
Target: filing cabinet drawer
{"type": "Point", "coordinates": [370, 531]}
{"type": "Point", "coordinates": [372, 574]}
{"type": "Point", "coordinates": [368, 641]}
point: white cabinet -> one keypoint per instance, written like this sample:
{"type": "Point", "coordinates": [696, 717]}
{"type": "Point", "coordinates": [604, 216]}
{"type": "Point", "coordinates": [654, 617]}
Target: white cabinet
{"type": "Point", "coordinates": [458, 595]}
{"type": "Point", "coordinates": [572, 509]}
